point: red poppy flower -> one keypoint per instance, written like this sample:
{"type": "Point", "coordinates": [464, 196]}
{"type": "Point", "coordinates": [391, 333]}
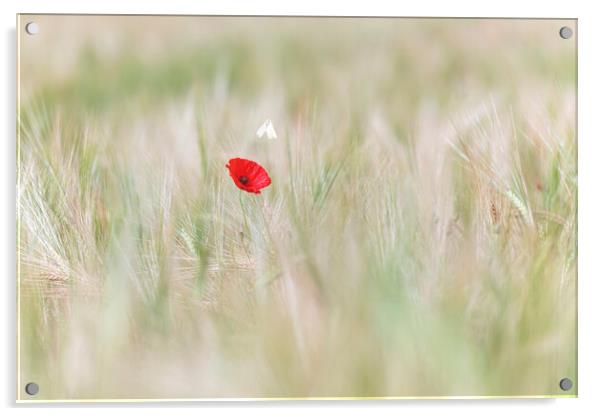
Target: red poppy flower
{"type": "Point", "coordinates": [248, 175]}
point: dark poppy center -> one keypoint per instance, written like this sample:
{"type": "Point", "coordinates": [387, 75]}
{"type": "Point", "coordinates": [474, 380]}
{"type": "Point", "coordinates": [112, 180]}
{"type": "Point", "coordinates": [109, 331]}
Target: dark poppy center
{"type": "Point", "coordinates": [243, 180]}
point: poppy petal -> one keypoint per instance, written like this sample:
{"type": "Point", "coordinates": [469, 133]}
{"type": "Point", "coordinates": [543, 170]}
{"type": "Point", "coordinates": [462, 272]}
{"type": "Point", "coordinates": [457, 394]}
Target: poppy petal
{"type": "Point", "coordinates": [248, 175]}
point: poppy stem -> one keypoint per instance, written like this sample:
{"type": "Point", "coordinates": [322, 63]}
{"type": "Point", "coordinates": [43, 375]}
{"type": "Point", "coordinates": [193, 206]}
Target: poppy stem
{"type": "Point", "coordinates": [244, 214]}
{"type": "Point", "coordinates": [246, 228]}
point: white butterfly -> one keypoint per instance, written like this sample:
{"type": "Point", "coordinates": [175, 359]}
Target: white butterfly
{"type": "Point", "coordinates": [267, 129]}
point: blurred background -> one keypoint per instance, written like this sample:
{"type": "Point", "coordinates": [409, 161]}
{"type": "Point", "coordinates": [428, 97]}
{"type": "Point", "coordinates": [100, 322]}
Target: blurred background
{"type": "Point", "coordinates": [418, 239]}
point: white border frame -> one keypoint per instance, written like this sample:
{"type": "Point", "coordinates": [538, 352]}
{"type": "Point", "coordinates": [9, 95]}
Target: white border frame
{"type": "Point", "coordinates": [590, 198]}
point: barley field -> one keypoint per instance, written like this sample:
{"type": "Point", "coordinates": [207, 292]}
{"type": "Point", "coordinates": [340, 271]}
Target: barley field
{"type": "Point", "coordinates": [418, 237]}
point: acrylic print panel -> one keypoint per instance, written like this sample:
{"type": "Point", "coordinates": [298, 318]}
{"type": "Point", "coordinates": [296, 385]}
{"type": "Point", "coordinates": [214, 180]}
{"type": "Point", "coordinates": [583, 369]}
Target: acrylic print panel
{"type": "Point", "coordinates": [288, 207]}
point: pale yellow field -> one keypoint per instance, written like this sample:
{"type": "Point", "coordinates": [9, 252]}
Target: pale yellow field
{"type": "Point", "coordinates": [418, 237]}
